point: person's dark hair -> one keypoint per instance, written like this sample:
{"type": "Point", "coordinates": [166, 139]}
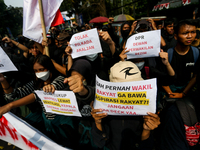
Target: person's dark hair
{"type": "Point", "coordinates": [159, 23]}
{"type": "Point", "coordinates": [46, 62]}
{"type": "Point", "coordinates": [169, 21]}
{"type": "Point", "coordinates": [83, 67]}
{"type": "Point", "coordinates": [126, 22]}
{"type": "Point", "coordinates": [30, 44]}
{"type": "Point", "coordinates": [143, 26]}
{"type": "Point", "coordinates": [184, 22]}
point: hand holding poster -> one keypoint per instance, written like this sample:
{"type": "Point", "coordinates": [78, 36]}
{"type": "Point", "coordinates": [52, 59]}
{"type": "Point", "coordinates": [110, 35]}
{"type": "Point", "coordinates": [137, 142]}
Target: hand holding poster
{"type": "Point", "coordinates": [60, 102]}
{"type": "Point", "coordinates": [85, 43]}
{"type": "Point", "coordinates": [5, 62]}
{"type": "Point", "coordinates": [126, 98]}
{"type": "Point", "coordinates": [145, 44]}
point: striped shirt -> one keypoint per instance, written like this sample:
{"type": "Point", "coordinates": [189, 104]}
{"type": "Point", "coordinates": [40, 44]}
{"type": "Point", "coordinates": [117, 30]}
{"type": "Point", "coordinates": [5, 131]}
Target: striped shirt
{"type": "Point", "coordinates": [29, 88]}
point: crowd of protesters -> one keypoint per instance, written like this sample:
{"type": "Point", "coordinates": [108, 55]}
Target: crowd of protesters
{"type": "Point", "coordinates": [176, 69]}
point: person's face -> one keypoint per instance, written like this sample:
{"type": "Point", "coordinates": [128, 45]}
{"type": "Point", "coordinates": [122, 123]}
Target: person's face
{"type": "Point", "coordinates": [34, 50]}
{"type": "Point", "coordinates": [111, 19]}
{"type": "Point", "coordinates": [186, 34]}
{"type": "Point", "coordinates": [159, 26]}
{"type": "Point", "coordinates": [62, 43]}
{"type": "Point", "coordinates": [170, 29]}
{"type": "Point", "coordinates": [39, 68]}
{"type": "Point", "coordinates": [126, 27]}
{"type": "Point", "coordinates": [56, 42]}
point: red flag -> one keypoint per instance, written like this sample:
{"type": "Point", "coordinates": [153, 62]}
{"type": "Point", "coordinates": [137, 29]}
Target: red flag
{"type": "Point", "coordinates": [58, 19]}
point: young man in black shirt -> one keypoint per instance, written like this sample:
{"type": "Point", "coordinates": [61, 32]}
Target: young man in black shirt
{"type": "Point", "coordinates": [182, 59]}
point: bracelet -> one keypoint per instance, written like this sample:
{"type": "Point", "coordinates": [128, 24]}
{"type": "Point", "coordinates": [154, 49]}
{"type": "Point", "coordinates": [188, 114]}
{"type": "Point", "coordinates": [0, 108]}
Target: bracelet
{"type": "Point", "coordinates": [17, 44]}
{"type": "Point", "coordinates": [6, 88]}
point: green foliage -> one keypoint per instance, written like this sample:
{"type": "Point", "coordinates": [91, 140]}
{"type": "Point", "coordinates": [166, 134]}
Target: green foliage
{"type": "Point", "coordinates": [11, 17]}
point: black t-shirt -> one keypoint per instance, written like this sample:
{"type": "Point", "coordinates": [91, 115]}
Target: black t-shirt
{"type": "Point", "coordinates": [183, 66]}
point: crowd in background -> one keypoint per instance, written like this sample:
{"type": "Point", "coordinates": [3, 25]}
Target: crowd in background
{"type": "Point", "coordinates": [176, 70]}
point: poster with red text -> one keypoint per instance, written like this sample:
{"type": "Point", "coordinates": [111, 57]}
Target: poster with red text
{"type": "Point", "coordinates": [19, 133]}
{"type": "Point", "coordinates": [126, 98]}
{"type": "Point", "coordinates": [85, 43]}
{"type": "Point", "coordinates": [144, 44]}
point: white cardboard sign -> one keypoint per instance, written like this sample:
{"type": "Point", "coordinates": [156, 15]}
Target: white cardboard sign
{"type": "Point", "coordinates": [145, 44]}
{"type": "Point", "coordinates": [18, 132]}
{"type": "Point", "coordinates": [60, 102]}
{"type": "Point", "coordinates": [85, 43]}
{"type": "Point", "coordinates": [6, 64]}
{"type": "Point", "coordinates": [126, 98]}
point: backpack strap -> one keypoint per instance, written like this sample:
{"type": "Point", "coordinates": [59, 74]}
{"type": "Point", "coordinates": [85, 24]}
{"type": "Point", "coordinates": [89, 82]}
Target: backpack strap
{"type": "Point", "coordinates": [195, 53]}
{"type": "Point", "coordinates": [187, 111]}
{"type": "Point", "coordinates": [170, 54]}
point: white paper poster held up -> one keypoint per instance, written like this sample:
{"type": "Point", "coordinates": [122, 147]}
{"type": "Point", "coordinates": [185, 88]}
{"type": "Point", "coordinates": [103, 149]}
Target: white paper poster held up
{"type": "Point", "coordinates": [60, 102]}
{"type": "Point", "coordinates": [6, 64]}
{"type": "Point", "coordinates": [126, 98]}
{"type": "Point", "coordinates": [145, 44]}
{"type": "Point", "coordinates": [85, 43]}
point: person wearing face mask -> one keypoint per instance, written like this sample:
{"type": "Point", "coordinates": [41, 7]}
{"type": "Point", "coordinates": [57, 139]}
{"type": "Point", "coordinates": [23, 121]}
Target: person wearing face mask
{"type": "Point", "coordinates": [124, 30]}
{"type": "Point", "coordinates": [59, 128]}
{"type": "Point", "coordinates": [58, 53]}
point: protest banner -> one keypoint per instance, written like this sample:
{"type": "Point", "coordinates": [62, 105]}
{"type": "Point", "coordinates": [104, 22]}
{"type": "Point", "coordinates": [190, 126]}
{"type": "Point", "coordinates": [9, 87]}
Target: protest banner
{"type": "Point", "coordinates": [32, 26]}
{"type": "Point", "coordinates": [85, 43]}
{"type": "Point", "coordinates": [18, 132]}
{"type": "Point", "coordinates": [60, 102]}
{"type": "Point", "coordinates": [126, 98]}
{"type": "Point", "coordinates": [5, 62]}
{"type": "Point", "coordinates": [145, 44]}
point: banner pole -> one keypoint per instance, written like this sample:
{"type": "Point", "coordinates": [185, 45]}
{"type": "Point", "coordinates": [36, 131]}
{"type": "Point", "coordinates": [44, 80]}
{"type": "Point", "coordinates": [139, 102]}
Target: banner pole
{"type": "Point", "coordinates": [43, 25]}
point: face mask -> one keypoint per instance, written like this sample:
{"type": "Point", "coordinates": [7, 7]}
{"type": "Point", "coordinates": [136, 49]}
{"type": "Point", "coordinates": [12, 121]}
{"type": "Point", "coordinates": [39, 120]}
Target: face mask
{"type": "Point", "coordinates": [92, 57]}
{"type": "Point", "coordinates": [125, 33]}
{"type": "Point", "coordinates": [140, 65]}
{"type": "Point", "coordinates": [43, 75]}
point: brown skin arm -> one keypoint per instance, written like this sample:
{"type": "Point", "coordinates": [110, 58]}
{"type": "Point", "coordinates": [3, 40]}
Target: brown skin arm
{"type": "Point", "coordinates": [97, 117]}
{"type": "Point", "coordinates": [60, 68]}
{"type": "Point", "coordinates": [21, 102]}
{"type": "Point", "coordinates": [151, 122]}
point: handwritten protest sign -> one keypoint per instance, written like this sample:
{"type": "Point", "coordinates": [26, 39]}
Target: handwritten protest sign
{"type": "Point", "coordinates": [85, 43]}
{"type": "Point", "coordinates": [60, 102]}
{"type": "Point", "coordinates": [145, 44]}
{"type": "Point", "coordinates": [126, 98]}
{"type": "Point", "coordinates": [18, 132]}
{"type": "Point", "coordinates": [5, 62]}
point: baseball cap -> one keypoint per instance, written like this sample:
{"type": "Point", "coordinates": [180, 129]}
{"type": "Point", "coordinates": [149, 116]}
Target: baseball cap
{"type": "Point", "coordinates": [125, 71]}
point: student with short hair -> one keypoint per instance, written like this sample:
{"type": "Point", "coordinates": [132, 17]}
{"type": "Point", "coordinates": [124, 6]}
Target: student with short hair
{"type": "Point", "coordinates": [182, 59]}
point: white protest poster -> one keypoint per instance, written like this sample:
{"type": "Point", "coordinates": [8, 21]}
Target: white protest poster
{"type": "Point", "coordinates": [126, 98]}
{"type": "Point", "coordinates": [32, 27]}
{"type": "Point", "coordinates": [5, 62]}
{"type": "Point", "coordinates": [85, 43]}
{"type": "Point", "coordinates": [18, 132]}
{"type": "Point", "coordinates": [145, 44]}
{"type": "Point", "coordinates": [60, 102]}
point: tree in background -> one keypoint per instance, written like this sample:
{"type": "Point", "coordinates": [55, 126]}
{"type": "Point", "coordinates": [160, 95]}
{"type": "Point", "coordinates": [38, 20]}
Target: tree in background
{"type": "Point", "coordinates": [12, 18]}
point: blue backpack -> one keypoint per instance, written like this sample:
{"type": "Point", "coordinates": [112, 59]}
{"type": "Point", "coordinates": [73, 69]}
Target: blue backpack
{"type": "Point", "coordinates": [194, 49]}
